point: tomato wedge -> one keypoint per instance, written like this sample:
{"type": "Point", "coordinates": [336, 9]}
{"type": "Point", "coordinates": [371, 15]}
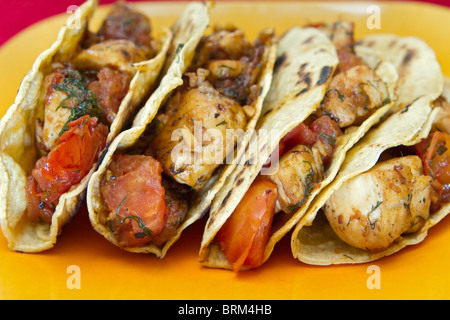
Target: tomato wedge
{"type": "Point", "coordinates": [136, 198]}
{"type": "Point", "coordinates": [323, 128]}
{"type": "Point", "coordinates": [76, 150]}
{"type": "Point", "coordinates": [435, 154]}
{"type": "Point", "coordinates": [244, 235]}
{"type": "Point", "coordinates": [327, 131]}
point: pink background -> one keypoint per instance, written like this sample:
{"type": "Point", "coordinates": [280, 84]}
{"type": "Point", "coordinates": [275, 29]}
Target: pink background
{"type": "Point", "coordinates": [17, 15]}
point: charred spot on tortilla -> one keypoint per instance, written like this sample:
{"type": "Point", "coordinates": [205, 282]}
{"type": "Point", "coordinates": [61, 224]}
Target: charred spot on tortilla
{"type": "Point", "coordinates": [409, 55]}
{"type": "Point", "coordinates": [301, 92]}
{"type": "Point", "coordinates": [309, 40]}
{"type": "Point", "coordinates": [304, 76]}
{"type": "Point", "coordinates": [211, 220]}
{"type": "Point", "coordinates": [392, 43]}
{"type": "Point", "coordinates": [225, 200]}
{"type": "Point", "coordinates": [324, 75]}
{"type": "Point", "coordinates": [204, 212]}
{"type": "Point", "coordinates": [279, 62]}
{"type": "Point", "coordinates": [406, 108]}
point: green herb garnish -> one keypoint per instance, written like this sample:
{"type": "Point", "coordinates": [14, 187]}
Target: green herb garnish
{"type": "Point", "coordinates": [75, 86]}
{"type": "Point", "coordinates": [145, 231]}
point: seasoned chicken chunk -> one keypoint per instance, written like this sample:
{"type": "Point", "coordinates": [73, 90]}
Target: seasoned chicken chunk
{"type": "Point", "coordinates": [123, 22]}
{"type": "Point", "coordinates": [298, 172]}
{"type": "Point", "coordinates": [374, 209]}
{"type": "Point", "coordinates": [355, 91]}
{"type": "Point", "coordinates": [341, 33]}
{"type": "Point", "coordinates": [118, 54]}
{"type": "Point", "coordinates": [234, 63]}
{"type": "Point", "coordinates": [354, 95]}
{"type": "Point", "coordinates": [55, 117]}
{"type": "Point", "coordinates": [68, 95]}
{"type": "Point", "coordinates": [192, 142]}
{"type": "Point", "coordinates": [230, 44]}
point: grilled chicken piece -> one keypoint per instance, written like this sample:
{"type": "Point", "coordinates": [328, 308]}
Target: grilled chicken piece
{"type": "Point", "coordinates": [234, 63]}
{"type": "Point", "coordinates": [118, 54]}
{"type": "Point", "coordinates": [123, 22]}
{"type": "Point", "coordinates": [230, 44]}
{"type": "Point", "coordinates": [69, 95]}
{"type": "Point", "coordinates": [355, 90]}
{"type": "Point", "coordinates": [124, 38]}
{"type": "Point", "coordinates": [341, 33]}
{"type": "Point", "coordinates": [374, 209]}
{"type": "Point", "coordinates": [55, 117]}
{"type": "Point", "coordinates": [192, 142]}
{"type": "Point", "coordinates": [217, 95]}
{"type": "Point", "coordinates": [298, 172]}
{"type": "Point", "coordinates": [353, 96]}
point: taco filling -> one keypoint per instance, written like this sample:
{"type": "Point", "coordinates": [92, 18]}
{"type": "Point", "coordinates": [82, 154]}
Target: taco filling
{"type": "Point", "coordinates": [147, 188]}
{"type": "Point", "coordinates": [81, 99]}
{"type": "Point", "coordinates": [397, 196]}
{"type": "Point", "coordinates": [354, 93]}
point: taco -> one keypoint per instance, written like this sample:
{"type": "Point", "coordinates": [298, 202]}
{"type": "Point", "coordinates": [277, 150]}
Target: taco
{"type": "Point", "coordinates": [324, 96]}
{"type": "Point", "coordinates": [145, 192]}
{"type": "Point", "coordinates": [77, 97]}
{"type": "Point", "coordinates": [395, 180]}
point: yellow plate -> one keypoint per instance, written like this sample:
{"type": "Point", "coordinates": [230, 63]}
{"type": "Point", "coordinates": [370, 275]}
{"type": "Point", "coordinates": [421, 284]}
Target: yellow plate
{"type": "Point", "coordinates": [83, 265]}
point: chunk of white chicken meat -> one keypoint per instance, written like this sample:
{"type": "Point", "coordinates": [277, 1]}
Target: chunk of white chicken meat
{"type": "Point", "coordinates": [341, 33]}
{"type": "Point", "coordinates": [194, 136]}
{"type": "Point", "coordinates": [223, 44]}
{"type": "Point", "coordinates": [55, 117]}
{"type": "Point", "coordinates": [116, 54]}
{"type": "Point", "coordinates": [296, 176]}
{"type": "Point", "coordinates": [373, 210]}
{"type": "Point", "coordinates": [354, 95]}
{"type": "Point", "coordinates": [234, 64]}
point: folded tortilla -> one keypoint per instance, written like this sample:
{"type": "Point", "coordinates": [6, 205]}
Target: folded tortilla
{"type": "Point", "coordinates": [188, 32]}
{"type": "Point", "coordinates": [306, 61]}
{"type": "Point", "coordinates": [313, 241]}
{"type": "Point", "coordinates": [19, 152]}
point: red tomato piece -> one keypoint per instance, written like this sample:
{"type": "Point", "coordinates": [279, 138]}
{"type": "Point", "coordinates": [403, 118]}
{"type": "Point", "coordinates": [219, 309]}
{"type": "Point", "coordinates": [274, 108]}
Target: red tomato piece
{"type": "Point", "coordinates": [299, 135]}
{"type": "Point", "coordinates": [324, 129]}
{"type": "Point", "coordinates": [435, 154]}
{"type": "Point", "coordinates": [136, 199]}
{"type": "Point", "coordinates": [327, 132]}
{"type": "Point", "coordinates": [244, 235]}
{"type": "Point", "coordinates": [76, 150]}
{"type": "Point", "coordinates": [110, 89]}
